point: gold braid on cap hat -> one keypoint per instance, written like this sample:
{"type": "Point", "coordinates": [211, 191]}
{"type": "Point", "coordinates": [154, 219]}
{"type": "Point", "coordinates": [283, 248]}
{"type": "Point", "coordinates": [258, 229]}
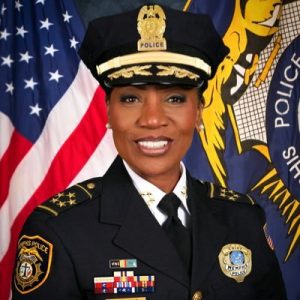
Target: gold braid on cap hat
{"type": "Point", "coordinates": [154, 57]}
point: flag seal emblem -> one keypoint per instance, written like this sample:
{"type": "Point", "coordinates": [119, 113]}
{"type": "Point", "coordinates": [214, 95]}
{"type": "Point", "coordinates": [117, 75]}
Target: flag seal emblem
{"type": "Point", "coordinates": [235, 261]}
{"type": "Point", "coordinates": [33, 264]}
{"type": "Point", "coordinates": [283, 118]}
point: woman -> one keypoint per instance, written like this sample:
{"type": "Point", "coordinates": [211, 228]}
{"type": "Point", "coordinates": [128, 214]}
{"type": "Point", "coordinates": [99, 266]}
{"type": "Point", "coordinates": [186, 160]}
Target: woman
{"type": "Point", "coordinates": [147, 229]}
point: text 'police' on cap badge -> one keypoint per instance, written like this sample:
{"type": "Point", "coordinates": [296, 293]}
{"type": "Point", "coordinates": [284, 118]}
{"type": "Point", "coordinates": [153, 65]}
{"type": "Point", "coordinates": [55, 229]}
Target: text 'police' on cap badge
{"type": "Point", "coordinates": [151, 26]}
{"type": "Point", "coordinates": [235, 261]}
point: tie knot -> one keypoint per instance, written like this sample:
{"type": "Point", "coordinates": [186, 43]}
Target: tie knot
{"type": "Point", "coordinates": [169, 204]}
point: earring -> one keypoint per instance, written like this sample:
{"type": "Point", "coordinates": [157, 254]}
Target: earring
{"type": "Point", "coordinates": [201, 127]}
{"type": "Point", "coordinates": [108, 126]}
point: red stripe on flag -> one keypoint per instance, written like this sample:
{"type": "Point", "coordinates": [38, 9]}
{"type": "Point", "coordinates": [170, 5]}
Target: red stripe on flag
{"type": "Point", "coordinates": [69, 160]}
{"type": "Point", "coordinates": [77, 149]}
{"type": "Point", "coordinates": [17, 149]}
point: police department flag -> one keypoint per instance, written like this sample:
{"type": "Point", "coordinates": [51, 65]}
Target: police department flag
{"type": "Point", "coordinates": [52, 114]}
{"type": "Point", "coordinates": [251, 140]}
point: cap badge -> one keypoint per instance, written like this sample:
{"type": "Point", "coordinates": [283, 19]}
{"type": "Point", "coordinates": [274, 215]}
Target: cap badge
{"type": "Point", "coordinates": [151, 26]}
{"type": "Point", "coordinates": [235, 261]}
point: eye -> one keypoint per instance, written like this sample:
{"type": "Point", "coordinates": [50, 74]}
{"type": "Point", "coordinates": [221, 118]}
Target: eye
{"type": "Point", "coordinates": [129, 99]}
{"type": "Point", "coordinates": [176, 99]}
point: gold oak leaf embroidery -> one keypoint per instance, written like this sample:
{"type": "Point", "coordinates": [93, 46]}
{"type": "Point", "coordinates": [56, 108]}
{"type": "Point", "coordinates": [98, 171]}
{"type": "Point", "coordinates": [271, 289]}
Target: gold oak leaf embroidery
{"type": "Point", "coordinates": [129, 72]}
{"type": "Point", "coordinates": [177, 72]}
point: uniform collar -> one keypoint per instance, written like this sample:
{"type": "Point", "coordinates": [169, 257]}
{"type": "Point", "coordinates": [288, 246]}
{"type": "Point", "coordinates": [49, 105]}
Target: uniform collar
{"type": "Point", "coordinates": [152, 194]}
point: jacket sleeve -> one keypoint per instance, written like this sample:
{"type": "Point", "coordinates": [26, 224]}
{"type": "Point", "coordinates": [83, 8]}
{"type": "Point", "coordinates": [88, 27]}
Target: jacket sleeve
{"type": "Point", "coordinates": [43, 268]}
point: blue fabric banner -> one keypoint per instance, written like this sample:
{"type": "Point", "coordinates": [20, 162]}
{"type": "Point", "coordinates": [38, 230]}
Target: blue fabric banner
{"type": "Point", "coordinates": [251, 137]}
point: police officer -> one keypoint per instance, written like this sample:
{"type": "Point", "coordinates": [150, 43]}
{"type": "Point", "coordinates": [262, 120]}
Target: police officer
{"type": "Point", "coordinates": [147, 229]}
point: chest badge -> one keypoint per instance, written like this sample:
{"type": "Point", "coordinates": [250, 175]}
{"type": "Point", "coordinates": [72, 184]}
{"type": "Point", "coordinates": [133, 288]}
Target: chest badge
{"type": "Point", "coordinates": [235, 261]}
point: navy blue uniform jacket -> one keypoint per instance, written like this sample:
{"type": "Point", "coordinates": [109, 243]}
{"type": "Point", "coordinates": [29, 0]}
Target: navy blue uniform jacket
{"type": "Point", "coordinates": [63, 247]}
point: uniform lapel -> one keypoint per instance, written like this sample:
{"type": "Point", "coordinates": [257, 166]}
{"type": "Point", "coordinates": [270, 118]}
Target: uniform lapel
{"type": "Point", "coordinates": [208, 234]}
{"type": "Point", "coordinates": [139, 233]}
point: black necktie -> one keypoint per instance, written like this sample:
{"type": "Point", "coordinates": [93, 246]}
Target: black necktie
{"type": "Point", "coordinates": [177, 233]}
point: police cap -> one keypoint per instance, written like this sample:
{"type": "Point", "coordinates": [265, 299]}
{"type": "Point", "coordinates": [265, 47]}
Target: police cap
{"type": "Point", "coordinates": [152, 45]}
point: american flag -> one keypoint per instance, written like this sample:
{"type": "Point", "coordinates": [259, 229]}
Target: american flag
{"type": "Point", "coordinates": [52, 114]}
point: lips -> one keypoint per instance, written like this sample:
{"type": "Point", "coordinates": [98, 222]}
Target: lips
{"type": "Point", "coordinates": [153, 144]}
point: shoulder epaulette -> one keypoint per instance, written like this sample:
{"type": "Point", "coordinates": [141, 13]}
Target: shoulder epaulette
{"type": "Point", "coordinates": [219, 192]}
{"type": "Point", "coordinates": [71, 197]}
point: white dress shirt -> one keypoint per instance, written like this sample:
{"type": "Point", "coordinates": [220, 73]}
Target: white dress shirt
{"type": "Point", "coordinates": [152, 195]}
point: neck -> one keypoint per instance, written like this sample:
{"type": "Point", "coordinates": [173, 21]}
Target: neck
{"type": "Point", "coordinates": [164, 181]}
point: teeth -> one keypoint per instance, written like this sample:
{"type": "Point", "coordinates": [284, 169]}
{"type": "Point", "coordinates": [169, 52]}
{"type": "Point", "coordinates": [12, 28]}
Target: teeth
{"type": "Point", "coordinates": [153, 144]}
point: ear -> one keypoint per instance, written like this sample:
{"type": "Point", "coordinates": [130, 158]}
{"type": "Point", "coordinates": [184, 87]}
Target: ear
{"type": "Point", "coordinates": [107, 101]}
{"type": "Point", "coordinates": [199, 116]}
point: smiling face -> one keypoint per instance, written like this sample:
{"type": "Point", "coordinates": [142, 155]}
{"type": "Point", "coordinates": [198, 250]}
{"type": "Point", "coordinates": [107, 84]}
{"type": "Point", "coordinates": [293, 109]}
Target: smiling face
{"type": "Point", "coordinates": [153, 128]}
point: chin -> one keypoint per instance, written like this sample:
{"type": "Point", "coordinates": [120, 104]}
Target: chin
{"type": "Point", "coordinates": [153, 166]}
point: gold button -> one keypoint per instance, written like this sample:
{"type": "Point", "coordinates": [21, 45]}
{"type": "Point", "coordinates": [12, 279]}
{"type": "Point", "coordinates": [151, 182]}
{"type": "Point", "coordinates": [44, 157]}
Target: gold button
{"type": "Point", "coordinates": [197, 295]}
{"type": "Point", "coordinates": [91, 185]}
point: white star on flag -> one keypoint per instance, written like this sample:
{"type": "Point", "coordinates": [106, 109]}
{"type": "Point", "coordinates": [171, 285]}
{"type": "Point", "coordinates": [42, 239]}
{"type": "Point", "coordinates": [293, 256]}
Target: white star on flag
{"type": "Point", "coordinates": [18, 5]}
{"type": "Point", "coordinates": [67, 17]}
{"type": "Point", "coordinates": [35, 110]}
{"type": "Point", "coordinates": [30, 83]}
{"type": "Point", "coordinates": [55, 76]}
{"type": "Point", "coordinates": [7, 61]}
{"type": "Point", "coordinates": [4, 34]}
{"type": "Point", "coordinates": [73, 42]}
{"type": "Point", "coordinates": [50, 50]}
{"type": "Point", "coordinates": [21, 31]}
{"type": "Point", "coordinates": [9, 88]}
{"type": "Point", "coordinates": [25, 57]}
{"type": "Point", "coordinates": [3, 9]}
{"type": "Point", "coordinates": [46, 24]}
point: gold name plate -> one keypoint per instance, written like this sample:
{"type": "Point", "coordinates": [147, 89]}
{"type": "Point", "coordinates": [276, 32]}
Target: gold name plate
{"type": "Point", "coordinates": [152, 45]}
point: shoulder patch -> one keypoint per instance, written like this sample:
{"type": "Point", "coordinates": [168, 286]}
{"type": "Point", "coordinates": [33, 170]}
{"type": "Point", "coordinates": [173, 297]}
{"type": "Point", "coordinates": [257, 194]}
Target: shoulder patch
{"type": "Point", "coordinates": [74, 195]}
{"type": "Point", "coordinates": [216, 191]}
{"type": "Point", "coordinates": [33, 263]}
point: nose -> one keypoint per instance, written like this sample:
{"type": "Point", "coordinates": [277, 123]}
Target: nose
{"type": "Point", "coordinates": [153, 114]}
